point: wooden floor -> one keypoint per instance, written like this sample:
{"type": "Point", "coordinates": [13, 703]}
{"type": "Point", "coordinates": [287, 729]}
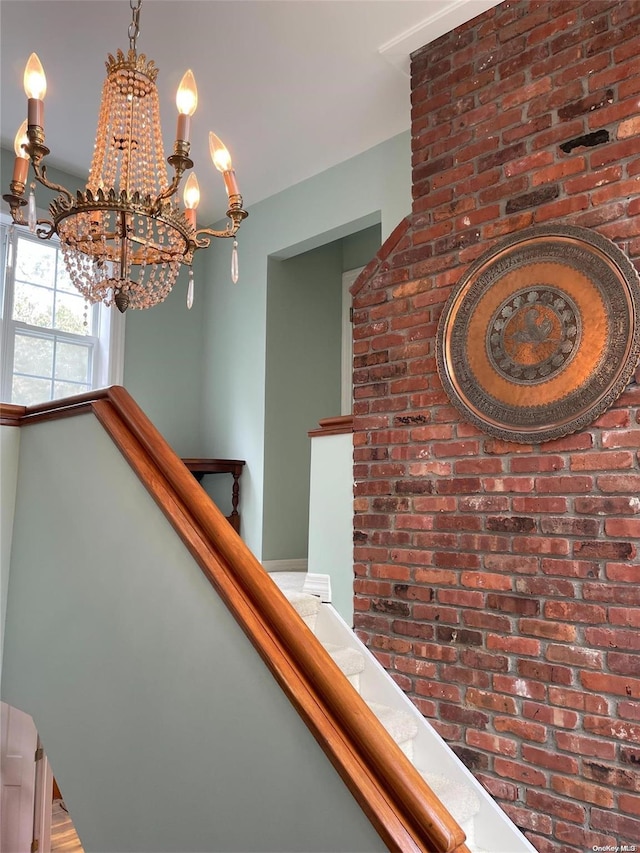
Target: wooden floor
{"type": "Point", "coordinates": [64, 838]}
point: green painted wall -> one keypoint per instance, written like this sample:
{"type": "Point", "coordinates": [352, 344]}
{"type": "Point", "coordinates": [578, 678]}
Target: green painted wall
{"type": "Point", "coordinates": [304, 298]}
{"type": "Point", "coordinates": [9, 455]}
{"type": "Point", "coordinates": [374, 187]}
{"type": "Point", "coordinates": [163, 364]}
{"type": "Point", "coordinates": [359, 248]}
{"type": "Point", "coordinates": [304, 331]}
{"type": "Point", "coordinates": [151, 698]}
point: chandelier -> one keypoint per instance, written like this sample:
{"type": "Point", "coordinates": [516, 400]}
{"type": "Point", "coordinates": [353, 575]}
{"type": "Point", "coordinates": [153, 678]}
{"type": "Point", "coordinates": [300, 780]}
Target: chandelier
{"type": "Point", "coordinates": [125, 237]}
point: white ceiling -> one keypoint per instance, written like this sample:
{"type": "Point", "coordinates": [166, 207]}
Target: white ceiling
{"type": "Point", "coordinates": [291, 86]}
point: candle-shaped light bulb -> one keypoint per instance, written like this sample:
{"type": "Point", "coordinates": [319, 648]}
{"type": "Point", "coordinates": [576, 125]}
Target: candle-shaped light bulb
{"type": "Point", "coordinates": [20, 140]}
{"type": "Point", "coordinates": [21, 163]}
{"type": "Point", "coordinates": [187, 95]}
{"type": "Point", "coordinates": [222, 161]}
{"type": "Point", "coordinates": [35, 82]}
{"type": "Point", "coordinates": [35, 87]}
{"type": "Point", "coordinates": [191, 194]}
{"type": "Point", "coordinates": [219, 153]}
{"type": "Point", "coordinates": [191, 197]}
{"type": "Point", "coordinates": [186, 101]}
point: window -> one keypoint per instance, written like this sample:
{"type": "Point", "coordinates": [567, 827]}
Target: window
{"type": "Point", "coordinates": [54, 343]}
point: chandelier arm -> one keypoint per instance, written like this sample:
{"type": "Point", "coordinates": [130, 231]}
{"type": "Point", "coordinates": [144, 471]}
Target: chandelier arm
{"type": "Point", "coordinates": [180, 161]}
{"type": "Point", "coordinates": [235, 213]}
{"type": "Point", "coordinates": [40, 173]}
{"type": "Point", "coordinates": [203, 242]}
{"type": "Point", "coordinates": [45, 234]}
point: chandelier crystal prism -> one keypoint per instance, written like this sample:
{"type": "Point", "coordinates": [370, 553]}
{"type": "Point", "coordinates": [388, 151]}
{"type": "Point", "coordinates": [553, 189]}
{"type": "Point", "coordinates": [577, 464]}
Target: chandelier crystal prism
{"type": "Point", "coordinates": [125, 237]}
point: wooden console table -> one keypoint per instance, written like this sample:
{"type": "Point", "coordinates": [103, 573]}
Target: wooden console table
{"type": "Point", "coordinates": [201, 467]}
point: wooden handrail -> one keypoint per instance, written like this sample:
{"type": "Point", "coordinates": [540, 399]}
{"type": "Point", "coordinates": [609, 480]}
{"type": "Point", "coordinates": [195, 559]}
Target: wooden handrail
{"type": "Point", "coordinates": [340, 425]}
{"type": "Point", "coordinates": [398, 802]}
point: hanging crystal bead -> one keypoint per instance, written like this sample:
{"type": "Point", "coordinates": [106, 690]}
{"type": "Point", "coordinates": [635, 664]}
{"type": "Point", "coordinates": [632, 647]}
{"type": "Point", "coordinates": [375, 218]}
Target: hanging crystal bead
{"type": "Point", "coordinates": [234, 262]}
{"type": "Point", "coordinates": [190, 290]}
{"type": "Point", "coordinates": [31, 214]}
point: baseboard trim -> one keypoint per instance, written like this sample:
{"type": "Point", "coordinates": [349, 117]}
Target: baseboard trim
{"type": "Point", "coordinates": [286, 565]}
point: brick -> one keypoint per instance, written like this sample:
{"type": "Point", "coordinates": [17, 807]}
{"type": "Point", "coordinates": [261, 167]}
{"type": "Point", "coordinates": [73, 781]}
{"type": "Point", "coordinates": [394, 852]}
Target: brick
{"type": "Point", "coordinates": [548, 804]}
{"type": "Point", "coordinates": [615, 684]}
{"type": "Point", "coordinates": [583, 791]}
{"type": "Point", "coordinates": [499, 788]}
{"type": "Point", "coordinates": [513, 604]}
{"type": "Point", "coordinates": [550, 716]}
{"type": "Point", "coordinates": [550, 760]}
{"type": "Point", "coordinates": [490, 701]}
{"type": "Point", "coordinates": [471, 759]}
{"type": "Point", "coordinates": [486, 621]}
{"type": "Point", "coordinates": [545, 587]}
{"type": "Point", "coordinates": [523, 729]}
{"type": "Point", "coordinates": [608, 505]}
{"type": "Point", "coordinates": [574, 611]}
{"type": "Point", "coordinates": [564, 485]}
{"type": "Point", "coordinates": [519, 772]}
{"type": "Point", "coordinates": [604, 550]}
{"type": "Point", "coordinates": [614, 638]}
{"type": "Point", "coordinates": [485, 580]}
{"type": "Point", "coordinates": [519, 687]}
{"type": "Point", "coordinates": [545, 673]}
{"type": "Point", "coordinates": [623, 827]}
{"type": "Point", "coordinates": [491, 743]}
{"type": "Point", "coordinates": [585, 745]}
{"type": "Point", "coordinates": [616, 776]}
{"type": "Point", "coordinates": [629, 804]}
{"type": "Point", "coordinates": [574, 656]}
{"type": "Point", "coordinates": [548, 630]}
{"type": "Point", "coordinates": [514, 645]}
{"type": "Point", "coordinates": [585, 839]}
{"type": "Point", "coordinates": [629, 710]}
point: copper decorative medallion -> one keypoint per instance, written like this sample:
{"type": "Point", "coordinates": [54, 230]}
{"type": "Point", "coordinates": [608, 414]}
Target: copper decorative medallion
{"type": "Point", "coordinates": [542, 334]}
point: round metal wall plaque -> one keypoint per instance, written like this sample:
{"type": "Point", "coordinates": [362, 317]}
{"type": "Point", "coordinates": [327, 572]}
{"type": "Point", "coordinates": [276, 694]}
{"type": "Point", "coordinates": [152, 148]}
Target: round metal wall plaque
{"type": "Point", "coordinates": [542, 334]}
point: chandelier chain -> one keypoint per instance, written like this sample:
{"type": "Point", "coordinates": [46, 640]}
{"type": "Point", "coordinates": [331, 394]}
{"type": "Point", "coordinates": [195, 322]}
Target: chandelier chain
{"type": "Point", "coordinates": [134, 28]}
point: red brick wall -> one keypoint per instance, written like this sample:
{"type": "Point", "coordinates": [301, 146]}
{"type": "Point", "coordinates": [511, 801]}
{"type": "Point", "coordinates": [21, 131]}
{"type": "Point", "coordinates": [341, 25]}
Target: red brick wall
{"type": "Point", "coordinates": [500, 583]}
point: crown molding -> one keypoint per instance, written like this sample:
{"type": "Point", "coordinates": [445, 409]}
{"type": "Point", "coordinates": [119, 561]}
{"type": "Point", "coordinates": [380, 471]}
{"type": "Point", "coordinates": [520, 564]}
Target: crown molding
{"type": "Point", "coordinates": [398, 50]}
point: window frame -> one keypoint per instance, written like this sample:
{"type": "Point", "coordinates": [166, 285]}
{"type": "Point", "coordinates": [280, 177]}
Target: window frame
{"type": "Point", "coordinates": [107, 360]}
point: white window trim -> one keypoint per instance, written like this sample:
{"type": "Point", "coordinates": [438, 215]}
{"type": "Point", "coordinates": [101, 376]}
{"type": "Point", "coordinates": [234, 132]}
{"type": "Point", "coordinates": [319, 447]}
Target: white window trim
{"type": "Point", "coordinates": [108, 367]}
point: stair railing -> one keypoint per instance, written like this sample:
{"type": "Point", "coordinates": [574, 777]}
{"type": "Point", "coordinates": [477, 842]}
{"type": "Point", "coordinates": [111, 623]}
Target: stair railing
{"type": "Point", "coordinates": [398, 802]}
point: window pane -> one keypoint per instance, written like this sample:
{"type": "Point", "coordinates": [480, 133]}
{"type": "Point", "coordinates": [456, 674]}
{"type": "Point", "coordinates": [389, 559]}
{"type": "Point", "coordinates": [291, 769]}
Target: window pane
{"type": "Point", "coordinates": [33, 355]}
{"type": "Point", "coordinates": [33, 305]}
{"type": "Point", "coordinates": [68, 389]}
{"type": "Point", "coordinates": [73, 362]}
{"type": "Point", "coordinates": [36, 262]}
{"type": "Point", "coordinates": [26, 390]}
{"type": "Point", "coordinates": [63, 280]}
{"type": "Point", "coordinates": [70, 313]}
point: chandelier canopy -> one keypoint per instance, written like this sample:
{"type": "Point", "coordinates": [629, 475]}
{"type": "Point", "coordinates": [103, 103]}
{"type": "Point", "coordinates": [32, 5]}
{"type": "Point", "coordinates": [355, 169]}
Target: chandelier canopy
{"type": "Point", "coordinates": [125, 237]}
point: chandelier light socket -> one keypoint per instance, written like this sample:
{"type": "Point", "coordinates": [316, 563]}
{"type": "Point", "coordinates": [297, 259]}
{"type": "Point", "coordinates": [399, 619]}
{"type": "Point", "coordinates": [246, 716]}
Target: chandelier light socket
{"type": "Point", "coordinates": [184, 126]}
{"type": "Point", "coordinates": [21, 163]}
{"type": "Point", "coordinates": [20, 172]}
{"type": "Point", "coordinates": [35, 112]}
{"type": "Point", "coordinates": [230, 183]}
